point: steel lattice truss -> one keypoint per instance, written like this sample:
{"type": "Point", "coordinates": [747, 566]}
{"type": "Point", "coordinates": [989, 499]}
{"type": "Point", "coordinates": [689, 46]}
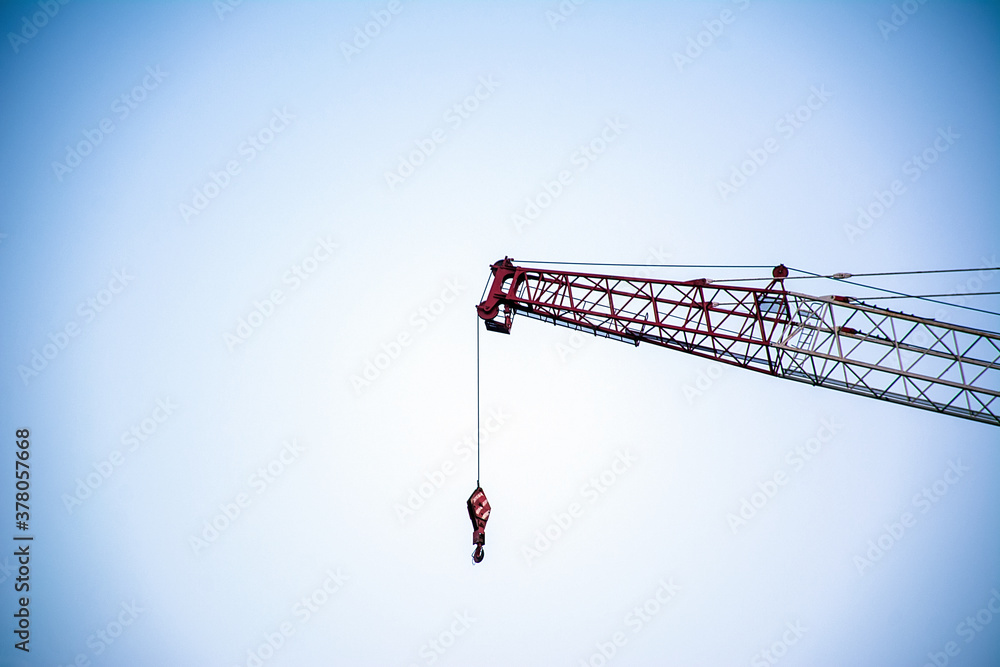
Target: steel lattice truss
{"type": "Point", "coordinates": [822, 341]}
{"type": "Point", "coordinates": [894, 357]}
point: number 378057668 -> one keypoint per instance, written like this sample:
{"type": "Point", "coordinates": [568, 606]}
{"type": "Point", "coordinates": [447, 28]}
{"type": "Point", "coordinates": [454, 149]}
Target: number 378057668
{"type": "Point", "coordinates": [22, 479]}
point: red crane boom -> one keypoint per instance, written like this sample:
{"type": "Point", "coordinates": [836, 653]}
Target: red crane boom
{"type": "Point", "coordinates": [826, 341]}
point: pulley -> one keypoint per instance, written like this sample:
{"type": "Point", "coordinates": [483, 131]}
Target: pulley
{"type": "Point", "coordinates": [479, 512]}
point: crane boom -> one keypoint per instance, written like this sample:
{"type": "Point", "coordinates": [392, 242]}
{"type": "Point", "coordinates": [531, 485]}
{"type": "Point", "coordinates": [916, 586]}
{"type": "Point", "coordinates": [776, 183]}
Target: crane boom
{"type": "Point", "coordinates": [826, 341]}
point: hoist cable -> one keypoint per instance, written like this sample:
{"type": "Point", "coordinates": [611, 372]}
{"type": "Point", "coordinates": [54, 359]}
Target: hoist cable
{"type": "Point", "coordinates": [809, 274]}
{"type": "Point", "coordinates": [764, 266]}
{"type": "Point", "coordinates": [485, 287]}
{"type": "Point", "coordinates": [477, 401]}
{"type": "Point", "coordinates": [481, 299]}
{"type": "Point", "coordinates": [908, 273]}
{"type": "Point", "coordinates": [842, 276]}
{"type": "Point", "coordinates": [654, 266]}
{"type": "Point", "coordinates": [889, 291]}
{"type": "Point", "coordinates": [924, 296]}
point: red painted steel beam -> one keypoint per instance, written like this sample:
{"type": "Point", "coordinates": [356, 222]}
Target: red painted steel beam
{"type": "Point", "coordinates": [825, 341]}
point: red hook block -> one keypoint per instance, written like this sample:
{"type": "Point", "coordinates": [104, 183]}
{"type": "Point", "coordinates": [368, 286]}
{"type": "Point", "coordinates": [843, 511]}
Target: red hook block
{"type": "Point", "coordinates": [479, 512]}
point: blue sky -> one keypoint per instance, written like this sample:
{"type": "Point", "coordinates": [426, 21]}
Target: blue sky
{"type": "Point", "coordinates": [217, 216]}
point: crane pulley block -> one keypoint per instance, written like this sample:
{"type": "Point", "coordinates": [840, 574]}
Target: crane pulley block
{"type": "Point", "coordinates": [479, 512]}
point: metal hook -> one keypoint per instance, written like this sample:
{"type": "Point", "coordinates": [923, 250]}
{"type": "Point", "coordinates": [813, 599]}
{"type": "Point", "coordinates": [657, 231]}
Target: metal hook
{"type": "Point", "coordinates": [479, 512]}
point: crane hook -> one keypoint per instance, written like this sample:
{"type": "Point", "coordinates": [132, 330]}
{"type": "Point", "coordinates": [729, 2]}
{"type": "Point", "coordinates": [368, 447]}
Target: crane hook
{"type": "Point", "coordinates": [479, 513]}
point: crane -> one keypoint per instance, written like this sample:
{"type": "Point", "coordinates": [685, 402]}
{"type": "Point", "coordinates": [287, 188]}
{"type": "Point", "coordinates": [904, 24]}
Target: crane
{"type": "Point", "coordinates": [827, 341]}
{"type": "Point", "coordinates": [836, 342]}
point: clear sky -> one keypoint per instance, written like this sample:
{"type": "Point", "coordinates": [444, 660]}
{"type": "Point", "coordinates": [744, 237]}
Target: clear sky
{"type": "Point", "coordinates": [240, 247]}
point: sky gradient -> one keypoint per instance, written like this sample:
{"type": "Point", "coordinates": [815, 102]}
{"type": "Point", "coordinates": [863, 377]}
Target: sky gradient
{"type": "Point", "coordinates": [241, 245]}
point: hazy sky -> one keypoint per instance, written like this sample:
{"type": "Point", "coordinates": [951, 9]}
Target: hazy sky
{"type": "Point", "coordinates": [241, 244]}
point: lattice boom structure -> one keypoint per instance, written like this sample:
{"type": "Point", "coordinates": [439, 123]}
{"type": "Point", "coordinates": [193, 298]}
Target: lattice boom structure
{"type": "Point", "coordinates": [824, 341]}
